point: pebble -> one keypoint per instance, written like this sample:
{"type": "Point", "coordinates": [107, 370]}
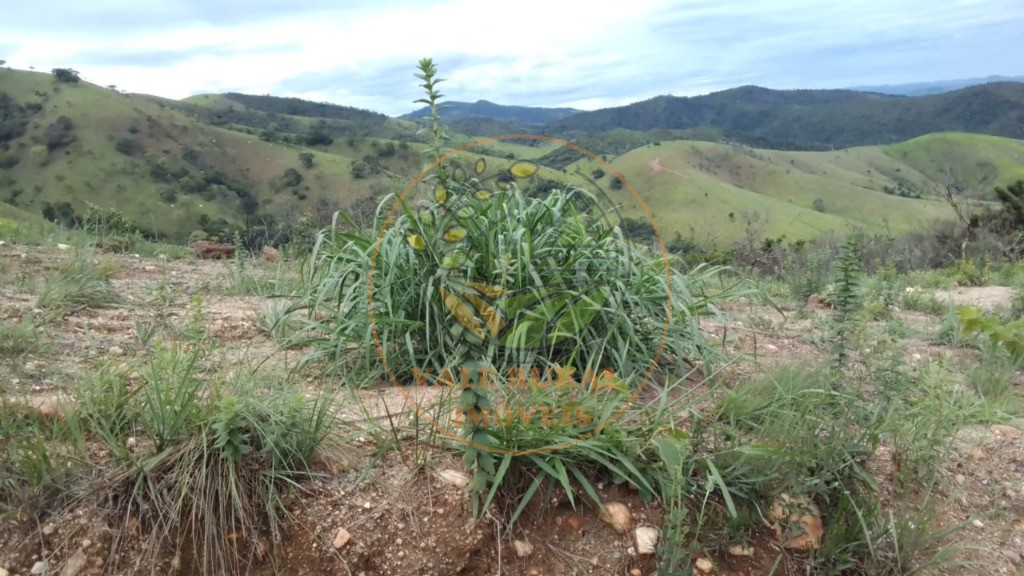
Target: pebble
{"type": "Point", "coordinates": [977, 523]}
{"type": "Point", "coordinates": [39, 567]}
{"type": "Point", "coordinates": [740, 550]}
{"type": "Point", "coordinates": [704, 565]}
{"type": "Point", "coordinates": [617, 515]}
{"type": "Point", "coordinates": [523, 548]}
{"type": "Point", "coordinates": [75, 564]}
{"type": "Point", "coordinates": [116, 351]}
{"type": "Point", "coordinates": [960, 479]}
{"type": "Point", "coordinates": [4, 572]}
{"type": "Point", "coordinates": [341, 539]}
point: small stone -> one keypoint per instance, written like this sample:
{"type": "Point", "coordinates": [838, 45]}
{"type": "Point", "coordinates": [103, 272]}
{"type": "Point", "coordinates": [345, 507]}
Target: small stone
{"type": "Point", "coordinates": [636, 572]}
{"type": "Point", "coordinates": [454, 477]}
{"type": "Point", "coordinates": [63, 246]}
{"type": "Point", "coordinates": [367, 505]}
{"type": "Point", "coordinates": [740, 550]}
{"type": "Point", "coordinates": [1005, 432]}
{"type": "Point", "coordinates": [771, 348]}
{"type": "Point", "coordinates": [977, 523]}
{"type": "Point", "coordinates": [48, 529]}
{"type": "Point", "coordinates": [617, 515]}
{"type": "Point", "coordinates": [131, 444]}
{"type": "Point", "coordinates": [75, 564]}
{"type": "Point", "coordinates": [704, 565]}
{"type": "Point", "coordinates": [3, 571]}
{"type": "Point", "coordinates": [341, 539]}
{"type": "Point", "coordinates": [960, 479]}
{"type": "Point", "coordinates": [803, 519]}
{"type": "Point", "coordinates": [523, 548]}
{"type": "Point", "coordinates": [149, 268]}
{"type": "Point", "coordinates": [116, 351]}
{"type": "Point", "coordinates": [86, 543]}
{"type": "Point", "coordinates": [646, 539]}
{"type": "Point", "coordinates": [39, 567]}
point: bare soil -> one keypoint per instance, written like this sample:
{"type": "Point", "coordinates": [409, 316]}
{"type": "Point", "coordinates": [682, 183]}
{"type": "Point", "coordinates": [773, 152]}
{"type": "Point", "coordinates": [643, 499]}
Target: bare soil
{"type": "Point", "coordinates": [403, 517]}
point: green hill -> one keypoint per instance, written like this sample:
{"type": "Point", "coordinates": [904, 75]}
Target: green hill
{"type": "Point", "coordinates": [818, 119]}
{"type": "Point", "coordinates": [220, 162]}
{"type": "Point", "coordinates": [715, 192]}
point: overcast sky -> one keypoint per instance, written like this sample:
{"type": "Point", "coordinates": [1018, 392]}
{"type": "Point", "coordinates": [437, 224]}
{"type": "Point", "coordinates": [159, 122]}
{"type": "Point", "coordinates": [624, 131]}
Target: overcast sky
{"type": "Point", "coordinates": [584, 54]}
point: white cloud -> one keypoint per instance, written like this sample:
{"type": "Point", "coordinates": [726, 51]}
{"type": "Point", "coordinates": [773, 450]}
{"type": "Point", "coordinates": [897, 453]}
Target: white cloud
{"type": "Point", "coordinates": [538, 52]}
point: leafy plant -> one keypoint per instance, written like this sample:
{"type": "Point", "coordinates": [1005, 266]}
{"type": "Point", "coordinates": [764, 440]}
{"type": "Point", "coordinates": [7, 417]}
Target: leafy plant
{"type": "Point", "coordinates": [846, 300]}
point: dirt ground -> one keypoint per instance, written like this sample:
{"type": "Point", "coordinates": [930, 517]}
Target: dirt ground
{"type": "Point", "coordinates": [406, 516]}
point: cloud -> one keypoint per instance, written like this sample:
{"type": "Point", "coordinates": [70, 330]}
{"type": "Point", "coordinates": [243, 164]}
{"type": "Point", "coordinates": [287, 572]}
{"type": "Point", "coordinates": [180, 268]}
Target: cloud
{"type": "Point", "coordinates": [531, 52]}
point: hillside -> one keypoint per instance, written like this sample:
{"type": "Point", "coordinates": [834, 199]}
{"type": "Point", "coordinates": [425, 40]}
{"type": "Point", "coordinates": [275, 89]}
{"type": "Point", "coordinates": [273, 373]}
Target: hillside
{"type": "Point", "coordinates": [714, 192]}
{"type": "Point", "coordinates": [218, 163]}
{"type": "Point", "coordinates": [212, 163]}
{"type": "Point", "coordinates": [483, 109]}
{"type": "Point", "coordinates": [818, 119]}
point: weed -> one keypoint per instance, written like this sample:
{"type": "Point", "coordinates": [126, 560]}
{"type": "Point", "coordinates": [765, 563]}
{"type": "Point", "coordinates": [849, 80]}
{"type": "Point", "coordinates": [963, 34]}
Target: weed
{"type": "Point", "coordinates": [79, 283]}
{"type": "Point", "coordinates": [19, 338]}
{"type": "Point", "coordinates": [849, 277]}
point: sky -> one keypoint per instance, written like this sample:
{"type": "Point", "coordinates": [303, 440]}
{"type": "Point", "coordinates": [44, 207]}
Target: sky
{"type": "Point", "coordinates": [582, 54]}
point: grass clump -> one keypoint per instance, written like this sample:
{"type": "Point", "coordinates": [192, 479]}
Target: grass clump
{"type": "Point", "coordinates": [19, 338]}
{"type": "Point", "coordinates": [79, 283]}
{"type": "Point", "coordinates": [201, 463]}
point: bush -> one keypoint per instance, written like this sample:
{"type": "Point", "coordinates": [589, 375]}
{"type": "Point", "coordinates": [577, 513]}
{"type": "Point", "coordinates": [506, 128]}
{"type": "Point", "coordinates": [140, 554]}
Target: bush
{"type": "Point", "coordinates": [60, 133]}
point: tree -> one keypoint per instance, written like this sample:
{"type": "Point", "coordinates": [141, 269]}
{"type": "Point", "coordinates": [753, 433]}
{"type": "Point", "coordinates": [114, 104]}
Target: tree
{"type": "Point", "coordinates": [306, 158]}
{"type": "Point", "coordinates": [3, 62]}
{"type": "Point", "coordinates": [1012, 199]}
{"type": "Point", "coordinates": [952, 189]}
{"type": "Point", "coordinates": [68, 75]}
{"type": "Point", "coordinates": [818, 204]}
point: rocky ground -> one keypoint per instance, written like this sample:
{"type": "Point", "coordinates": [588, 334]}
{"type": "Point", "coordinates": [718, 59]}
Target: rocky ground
{"type": "Point", "coordinates": [408, 513]}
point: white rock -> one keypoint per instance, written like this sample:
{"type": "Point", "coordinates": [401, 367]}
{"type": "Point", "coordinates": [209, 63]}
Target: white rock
{"type": "Point", "coordinates": [3, 571]}
{"type": "Point", "coordinates": [341, 539]}
{"type": "Point", "coordinates": [116, 351]}
{"type": "Point", "coordinates": [739, 550]}
{"type": "Point", "coordinates": [523, 548]}
{"type": "Point", "coordinates": [704, 565]}
{"type": "Point", "coordinates": [454, 477]}
{"type": "Point", "coordinates": [39, 567]}
{"type": "Point", "coordinates": [75, 564]}
{"type": "Point", "coordinates": [646, 539]}
{"type": "Point", "coordinates": [63, 246]}
{"type": "Point", "coordinates": [617, 515]}
{"type": "Point", "coordinates": [977, 523]}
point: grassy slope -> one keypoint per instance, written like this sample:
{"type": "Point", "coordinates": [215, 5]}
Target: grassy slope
{"type": "Point", "coordinates": [715, 180]}
{"type": "Point", "coordinates": [977, 162]}
{"type": "Point", "coordinates": [777, 189]}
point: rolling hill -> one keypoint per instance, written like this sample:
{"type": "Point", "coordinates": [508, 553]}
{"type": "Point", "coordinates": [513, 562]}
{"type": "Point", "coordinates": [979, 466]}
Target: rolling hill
{"type": "Point", "coordinates": [221, 162]}
{"type": "Point", "coordinates": [817, 119]}
{"type": "Point", "coordinates": [934, 87]}
{"type": "Point", "coordinates": [522, 115]}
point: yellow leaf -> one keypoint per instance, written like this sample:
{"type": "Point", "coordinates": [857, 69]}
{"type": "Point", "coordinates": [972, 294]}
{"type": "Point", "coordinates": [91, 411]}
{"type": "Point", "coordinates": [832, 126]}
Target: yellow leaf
{"type": "Point", "coordinates": [492, 316]}
{"type": "Point", "coordinates": [492, 292]}
{"type": "Point", "coordinates": [481, 165]}
{"type": "Point", "coordinates": [523, 169]}
{"type": "Point", "coordinates": [454, 234]}
{"type": "Point", "coordinates": [483, 195]}
{"type": "Point", "coordinates": [441, 194]}
{"type": "Point", "coordinates": [462, 312]}
{"type": "Point", "coordinates": [417, 242]}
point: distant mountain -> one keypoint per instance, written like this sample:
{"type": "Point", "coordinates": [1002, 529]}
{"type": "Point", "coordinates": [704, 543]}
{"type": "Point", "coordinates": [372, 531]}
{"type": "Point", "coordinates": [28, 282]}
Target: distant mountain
{"type": "Point", "coordinates": [817, 119]}
{"type": "Point", "coordinates": [484, 109]}
{"type": "Point", "coordinates": [934, 87]}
